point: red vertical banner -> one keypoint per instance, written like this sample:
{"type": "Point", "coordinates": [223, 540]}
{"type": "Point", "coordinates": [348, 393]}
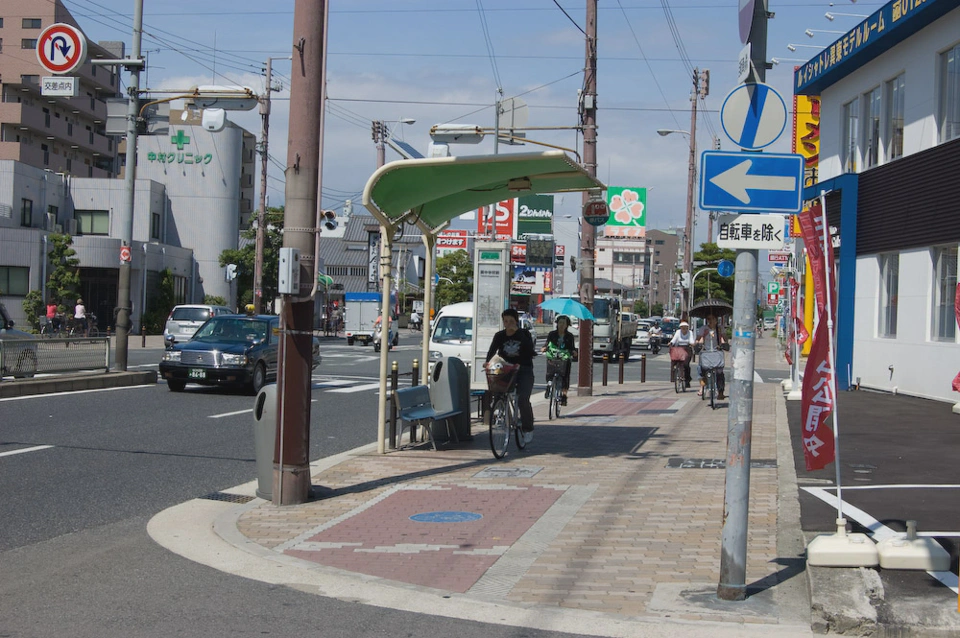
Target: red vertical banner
{"type": "Point", "coordinates": [817, 400]}
{"type": "Point", "coordinates": [956, 313]}
{"type": "Point", "coordinates": [800, 331]}
{"type": "Point", "coordinates": [811, 225]}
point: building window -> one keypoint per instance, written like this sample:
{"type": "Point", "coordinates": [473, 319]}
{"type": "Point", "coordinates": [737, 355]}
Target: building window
{"type": "Point", "coordinates": [15, 280]}
{"type": "Point", "coordinates": [155, 226]}
{"type": "Point", "coordinates": [52, 210]}
{"type": "Point", "coordinates": [26, 212]}
{"type": "Point", "coordinates": [1, 45]}
{"type": "Point", "coordinates": [92, 222]}
{"type": "Point", "coordinates": [944, 295]}
{"type": "Point", "coordinates": [889, 285]}
{"type": "Point", "coordinates": [46, 154]}
{"type": "Point", "coordinates": [893, 136]}
{"type": "Point", "coordinates": [46, 117]}
{"type": "Point", "coordinates": [950, 95]}
{"type": "Point", "coordinates": [28, 43]}
{"type": "Point", "coordinates": [851, 127]}
{"type": "Point", "coordinates": [69, 164]}
{"type": "Point", "coordinates": [1, 23]}
{"type": "Point", "coordinates": [70, 129]}
{"type": "Point", "coordinates": [871, 131]}
{"type": "Point", "coordinates": [31, 23]}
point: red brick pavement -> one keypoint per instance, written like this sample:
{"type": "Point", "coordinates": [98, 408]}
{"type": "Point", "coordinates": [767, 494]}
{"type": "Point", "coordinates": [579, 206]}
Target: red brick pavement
{"type": "Point", "coordinates": [382, 540]}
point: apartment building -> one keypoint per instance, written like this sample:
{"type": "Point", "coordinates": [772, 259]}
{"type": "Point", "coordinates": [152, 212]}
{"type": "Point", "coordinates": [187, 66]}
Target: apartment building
{"type": "Point", "coordinates": [64, 135]}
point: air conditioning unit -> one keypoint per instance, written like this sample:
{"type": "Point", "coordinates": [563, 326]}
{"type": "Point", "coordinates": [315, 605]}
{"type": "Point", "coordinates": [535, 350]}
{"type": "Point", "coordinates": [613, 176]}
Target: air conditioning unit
{"type": "Point", "coordinates": [71, 226]}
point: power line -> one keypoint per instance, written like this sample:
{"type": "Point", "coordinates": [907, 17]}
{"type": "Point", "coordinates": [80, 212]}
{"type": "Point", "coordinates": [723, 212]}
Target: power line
{"type": "Point", "coordinates": [569, 18]}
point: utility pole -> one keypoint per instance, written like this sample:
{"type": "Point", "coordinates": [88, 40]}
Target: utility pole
{"type": "Point", "coordinates": [262, 213]}
{"type": "Point", "coordinates": [588, 105]}
{"type": "Point", "coordinates": [124, 303]}
{"type": "Point", "coordinates": [701, 88]}
{"type": "Point", "coordinates": [736, 494]}
{"type": "Point", "coordinates": [292, 462]}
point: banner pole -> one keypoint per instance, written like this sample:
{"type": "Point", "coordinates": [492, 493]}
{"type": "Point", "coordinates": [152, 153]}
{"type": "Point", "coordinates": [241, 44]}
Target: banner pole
{"type": "Point", "coordinates": [833, 371]}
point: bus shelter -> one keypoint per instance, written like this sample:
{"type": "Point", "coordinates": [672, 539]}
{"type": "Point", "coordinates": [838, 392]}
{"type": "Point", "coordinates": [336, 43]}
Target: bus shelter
{"type": "Point", "coordinates": [429, 192]}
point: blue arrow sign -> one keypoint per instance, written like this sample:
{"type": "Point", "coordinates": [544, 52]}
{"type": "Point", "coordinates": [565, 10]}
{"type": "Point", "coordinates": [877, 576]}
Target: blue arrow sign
{"type": "Point", "coordinates": [751, 182]}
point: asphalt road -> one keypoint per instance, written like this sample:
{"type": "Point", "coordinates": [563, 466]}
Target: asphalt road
{"type": "Point", "coordinates": [84, 472]}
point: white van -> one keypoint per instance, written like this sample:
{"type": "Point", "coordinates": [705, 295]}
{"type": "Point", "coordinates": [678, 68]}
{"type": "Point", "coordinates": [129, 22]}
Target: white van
{"type": "Point", "coordinates": [452, 333]}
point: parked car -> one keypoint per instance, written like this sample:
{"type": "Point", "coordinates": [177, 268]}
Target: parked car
{"type": "Point", "coordinates": [18, 349]}
{"type": "Point", "coordinates": [643, 334]}
{"type": "Point", "coordinates": [227, 350]}
{"type": "Point", "coordinates": [186, 319]}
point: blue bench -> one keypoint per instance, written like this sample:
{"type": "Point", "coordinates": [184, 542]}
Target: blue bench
{"type": "Point", "coordinates": [414, 408]}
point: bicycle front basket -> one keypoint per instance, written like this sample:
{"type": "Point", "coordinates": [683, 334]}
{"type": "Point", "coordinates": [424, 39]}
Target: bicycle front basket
{"type": "Point", "coordinates": [679, 353]}
{"type": "Point", "coordinates": [556, 366]}
{"type": "Point", "coordinates": [501, 379]}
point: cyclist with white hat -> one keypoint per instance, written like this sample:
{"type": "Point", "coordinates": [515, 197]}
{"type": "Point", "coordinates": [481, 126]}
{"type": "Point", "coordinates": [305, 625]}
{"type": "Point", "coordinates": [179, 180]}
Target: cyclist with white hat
{"type": "Point", "coordinates": [684, 337]}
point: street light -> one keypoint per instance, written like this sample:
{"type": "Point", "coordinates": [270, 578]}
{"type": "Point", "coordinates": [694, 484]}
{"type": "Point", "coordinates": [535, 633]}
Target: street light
{"type": "Point", "coordinates": [381, 132]}
{"type": "Point", "coordinates": [830, 16]}
{"type": "Point", "coordinates": [777, 61]}
{"type": "Point", "coordinates": [793, 47]}
{"type": "Point", "coordinates": [688, 227]}
{"type": "Point", "coordinates": [810, 32]}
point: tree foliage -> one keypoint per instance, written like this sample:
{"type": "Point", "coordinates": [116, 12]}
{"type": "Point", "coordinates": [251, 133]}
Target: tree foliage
{"type": "Point", "coordinates": [456, 267]}
{"type": "Point", "coordinates": [63, 280]}
{"type": "Point", "coordinates": [245, 258]}
{"type": "Point", "coordinates": [160, 303]}
{"type": "Point", "coordinates": [712, 284]}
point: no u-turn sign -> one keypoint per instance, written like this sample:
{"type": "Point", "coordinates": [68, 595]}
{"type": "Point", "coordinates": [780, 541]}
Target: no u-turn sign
{"type": "Point", "coordinates": [61, 48]}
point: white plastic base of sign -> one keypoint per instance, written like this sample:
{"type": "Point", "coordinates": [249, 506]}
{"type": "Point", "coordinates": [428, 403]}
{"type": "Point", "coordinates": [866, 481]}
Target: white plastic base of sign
{"type": "Point", "coordinates": [786, 385]}
{"type": "Point", "coordinates": [923, 553]}
{"type": "Point", "coordinates": [956, 408]}
{"type": "Point", "coordinates": [794, 395]}
{"type": "Point", "coordinates": [842, 549]}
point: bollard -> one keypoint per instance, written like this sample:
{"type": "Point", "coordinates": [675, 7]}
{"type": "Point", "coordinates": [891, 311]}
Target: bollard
{"type": "Point", "coordinates": [643, 368]}
{"type": "Point", "coordinates": [394, 378]}
{"type": "Point", "coordinates": [622, 359]}
{"type": "Point", "coordinates": [143, 336]}
{"type": "Point", "coordinates": [415, 374]}
{"type": "Point", "coordinates": [606, 361]}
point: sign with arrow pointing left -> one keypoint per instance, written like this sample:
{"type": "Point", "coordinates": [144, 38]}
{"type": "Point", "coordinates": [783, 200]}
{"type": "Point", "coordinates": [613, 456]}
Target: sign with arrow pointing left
{"type": "Point", "coordinates": [751, 182]}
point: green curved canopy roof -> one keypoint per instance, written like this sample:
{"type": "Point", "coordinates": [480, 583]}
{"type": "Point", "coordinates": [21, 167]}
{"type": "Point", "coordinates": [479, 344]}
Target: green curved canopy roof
{"type": "Point", "coordinates": [432, 191]}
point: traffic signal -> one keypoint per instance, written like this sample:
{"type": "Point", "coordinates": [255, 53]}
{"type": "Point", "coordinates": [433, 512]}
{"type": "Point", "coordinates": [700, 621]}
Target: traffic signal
{"type": "Point", "coordinates": [330, 220]}
{"type": "Point", "coordinates": [685, 279]}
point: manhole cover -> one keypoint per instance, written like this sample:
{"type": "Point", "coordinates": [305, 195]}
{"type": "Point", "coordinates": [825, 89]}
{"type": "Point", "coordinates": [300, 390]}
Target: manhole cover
{"type": "Point", "coordinates": [229, 498]}
{"type": "Point", "coordinates": [517, 472]}
{"type": "Point", "coordinates": [446, 517]}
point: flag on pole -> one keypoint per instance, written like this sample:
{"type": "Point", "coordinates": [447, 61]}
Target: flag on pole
{"type": "Point", "coordinates": [956, 313]}
{"type": "Point", "coordinates": [811, 225]}
{"type": "Point", "coordinates": [817, 400]}
{"type": "Point", "coordinates": [799, 329]}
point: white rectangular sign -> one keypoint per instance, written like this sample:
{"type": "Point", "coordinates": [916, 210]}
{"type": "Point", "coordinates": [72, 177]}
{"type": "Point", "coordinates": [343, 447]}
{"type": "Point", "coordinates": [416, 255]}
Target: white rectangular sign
{"type": "Point", "coordinates": [750, 232]}
{"type": "Point", "coordinates": [60, 87]}
{"type": "Point", "coordinates": [743, 64]}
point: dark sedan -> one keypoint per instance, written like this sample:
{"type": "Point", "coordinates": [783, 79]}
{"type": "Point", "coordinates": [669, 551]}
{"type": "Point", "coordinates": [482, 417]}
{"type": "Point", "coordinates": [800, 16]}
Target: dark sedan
{"type": "Point", "coordinates": [228, 350]}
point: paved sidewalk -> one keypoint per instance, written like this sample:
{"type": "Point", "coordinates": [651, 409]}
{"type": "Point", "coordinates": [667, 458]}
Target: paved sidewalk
{"type": "Point", "coordinates": [608, 523]}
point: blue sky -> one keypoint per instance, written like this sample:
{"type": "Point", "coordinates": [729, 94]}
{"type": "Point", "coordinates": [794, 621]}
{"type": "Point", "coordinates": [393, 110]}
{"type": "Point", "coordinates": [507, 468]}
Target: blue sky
{"type": "Point", "coordinates": [430, 60]}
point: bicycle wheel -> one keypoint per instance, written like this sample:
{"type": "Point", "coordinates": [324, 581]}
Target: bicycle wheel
{"type": "Point", "coordinates": [551, 396]}
{"type": "Point", "coordinates": [679, 383]}
{"type": "Point", "coordinates": [557, 394]}
{"type": "Point", "coordinates": [515, 423]}
{"type": "Point", "coordinates": [499, 426]}
{"type": "Point", "coordinates": [711, 379]}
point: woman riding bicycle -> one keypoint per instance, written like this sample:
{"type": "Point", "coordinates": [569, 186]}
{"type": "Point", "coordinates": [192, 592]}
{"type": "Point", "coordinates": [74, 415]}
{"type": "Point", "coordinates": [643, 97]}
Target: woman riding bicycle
{"type": "Point", "coordinates": [561, 347]}
{"type": "Point", "coordinates": [711, 339]}
{"type": "Point", "coordinates": [516, 346]}
{"type": "Point", "coordinates": [684, 337]}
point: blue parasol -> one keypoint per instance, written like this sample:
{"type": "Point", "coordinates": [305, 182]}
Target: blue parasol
{"type": "Point", "coordinates": [569, 307]}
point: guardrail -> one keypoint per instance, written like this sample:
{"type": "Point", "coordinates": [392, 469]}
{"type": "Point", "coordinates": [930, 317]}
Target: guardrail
{"type": "Point", "coordinates": [26, 358]}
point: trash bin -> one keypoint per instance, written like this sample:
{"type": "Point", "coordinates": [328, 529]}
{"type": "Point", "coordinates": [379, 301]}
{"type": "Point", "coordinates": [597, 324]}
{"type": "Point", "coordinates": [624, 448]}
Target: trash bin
{"type": "Point", "coordinates": [265, 437]}
{"type": "Point", "coordinates": [450, 390]}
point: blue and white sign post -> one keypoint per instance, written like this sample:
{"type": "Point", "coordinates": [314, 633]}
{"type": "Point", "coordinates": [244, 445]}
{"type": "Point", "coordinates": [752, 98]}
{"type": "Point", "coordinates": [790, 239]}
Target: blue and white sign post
{"type": "Point", "coordinates": [751, 182]}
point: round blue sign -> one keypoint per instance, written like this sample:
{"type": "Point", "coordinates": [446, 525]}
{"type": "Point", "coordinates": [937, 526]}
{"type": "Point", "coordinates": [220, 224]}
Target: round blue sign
{"type": "Point", "coordinates": [725, 268]}
{"type": "Point", "coordinates": [446, 517]}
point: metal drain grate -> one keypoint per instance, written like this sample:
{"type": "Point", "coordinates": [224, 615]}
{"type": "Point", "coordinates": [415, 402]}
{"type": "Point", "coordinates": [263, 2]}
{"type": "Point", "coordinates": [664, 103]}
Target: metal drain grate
{"type": "Point", "coordinates": [229, 498]}
{"type": "Point", "coordinates": [716, 464]}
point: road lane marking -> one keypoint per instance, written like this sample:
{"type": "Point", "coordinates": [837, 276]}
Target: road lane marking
{"type": "Point", "coordinates": [333, 383]}
{"type": "Point", "coordinates": [226, 414]}
{"type": "Point", "coordinates": [35, 448]}
{"type": "Point", "coordinates": [60, 394]}
{"type": "Point", "coordinates": [358, 388]}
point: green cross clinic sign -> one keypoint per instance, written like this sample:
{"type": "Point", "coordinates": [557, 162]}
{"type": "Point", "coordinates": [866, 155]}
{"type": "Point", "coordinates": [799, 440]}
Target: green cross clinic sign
{"type": "Point", "coordinates": [180, 140]}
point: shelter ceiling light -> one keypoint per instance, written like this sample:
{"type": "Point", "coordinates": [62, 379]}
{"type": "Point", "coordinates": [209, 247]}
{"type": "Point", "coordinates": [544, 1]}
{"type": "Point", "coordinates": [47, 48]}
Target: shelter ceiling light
{"type": "Point", "coordinates": [810, 33]}
{"type": "Point", "coordinates": [519, 184]}
{"type": "Point", "coordinates": [832, 15]}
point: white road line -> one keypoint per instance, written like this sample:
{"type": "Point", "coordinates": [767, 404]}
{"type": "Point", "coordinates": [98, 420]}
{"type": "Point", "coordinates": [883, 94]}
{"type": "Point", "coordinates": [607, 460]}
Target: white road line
{"type": "Point", "coordinates": [60, 394]}
{"type": "Point", "coordinates": [226, 414]}
{"type": "Point", "coordinates": [358, 388]}
{"type": "Point", "coordinates": [35, 448]}
{"type": "Point", "coordinates": [895, 486]}
{"type": "Point", "coordinates": [756, 377]}
{"type": "Point", "coordinates": [878, 530]}
{"type": "Point", "coordinates": [333, 384]}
